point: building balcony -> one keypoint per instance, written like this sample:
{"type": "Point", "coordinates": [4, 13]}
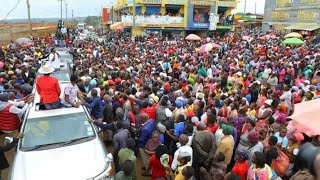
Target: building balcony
{"type": "Point", "coordinates": [154, 21]}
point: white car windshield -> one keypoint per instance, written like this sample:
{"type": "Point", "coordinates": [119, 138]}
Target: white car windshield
{"type": "Point", "coordinates": [61, 76]}
{"type": "Point", "coordinates": [56, 131]}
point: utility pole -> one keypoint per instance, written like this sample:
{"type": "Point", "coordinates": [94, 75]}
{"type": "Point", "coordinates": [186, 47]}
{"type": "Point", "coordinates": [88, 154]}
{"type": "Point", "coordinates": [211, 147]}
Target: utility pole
{"type": "Point", "coordinates": [245, 6]}
{"type": "Point", "coordinates": [66, 11]}
{"type": "Point", "coordinates": [61, 8]}
{"type": "Point", "coordinates": [255, 7]}
{"type": "Point", "coordinates": [72, 16]}
{"type": "Point", "coordinates": [133, 33]}
{"type": "Point", "coordinates": [29, 18]}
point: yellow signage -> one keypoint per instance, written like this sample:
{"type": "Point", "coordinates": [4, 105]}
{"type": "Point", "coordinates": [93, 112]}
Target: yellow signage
{"type": "Point", "coordinates": [280, 15]}
{"type": "Point", "coordinates": [283, 2]}
{"type": "Point", "coordinates": [306, 15]}
{"type": "Point", "coordinates": [309, 1]}
{"type": "Point", "coordinates": [202, 2]}
{"type": "Point", "coordinates": [152, 1]}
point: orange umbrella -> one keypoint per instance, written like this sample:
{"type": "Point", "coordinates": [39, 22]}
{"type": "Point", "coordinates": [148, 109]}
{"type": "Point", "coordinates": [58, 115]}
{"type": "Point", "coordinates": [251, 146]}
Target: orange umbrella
{"type": "Point", "coordinates": [117, 26]}
{"type": "Point", "coordinates": [193, 37]}
{"type": "Point", "coordinates": [306, 117]}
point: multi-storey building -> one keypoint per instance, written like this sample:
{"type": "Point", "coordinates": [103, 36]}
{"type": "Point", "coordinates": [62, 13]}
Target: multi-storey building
{"type": "Point", "coordinates": [175, 17]}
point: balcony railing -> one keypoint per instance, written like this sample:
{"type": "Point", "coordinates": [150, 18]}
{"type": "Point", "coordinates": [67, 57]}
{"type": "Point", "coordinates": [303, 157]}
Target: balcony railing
{"type": "Point", "coordinates": [153, 20]}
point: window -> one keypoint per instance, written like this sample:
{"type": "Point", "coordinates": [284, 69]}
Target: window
{"type": "Point", "coordinates": [43, 131]}
{"type": "Point", "coordinates": [201, 14]}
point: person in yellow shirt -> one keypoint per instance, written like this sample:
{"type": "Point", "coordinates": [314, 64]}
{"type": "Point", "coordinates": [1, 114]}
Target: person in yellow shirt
{"type": "Point", "coordinates": [226, 144]}
{"type": "Point", "coordinates": [252, 110]}
{"type": "Point", "coordinates": [38, 53]}
{"type": "Point", "coordinates": [184, 170]}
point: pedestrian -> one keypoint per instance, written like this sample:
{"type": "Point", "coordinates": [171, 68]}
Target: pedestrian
{"type": "Point", "coordinates": [204, 144]}
{"type": "Point", "coordinates": [3, 161]}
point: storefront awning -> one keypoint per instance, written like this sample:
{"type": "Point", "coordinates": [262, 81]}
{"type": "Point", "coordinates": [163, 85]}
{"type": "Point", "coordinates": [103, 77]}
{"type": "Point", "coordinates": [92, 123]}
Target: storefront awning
{"type": "Point", "coordinates": [302, 28]}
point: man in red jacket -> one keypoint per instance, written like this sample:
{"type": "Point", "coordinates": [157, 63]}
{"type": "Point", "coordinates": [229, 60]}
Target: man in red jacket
{"type": "Point", "coordinates": [48, 88]}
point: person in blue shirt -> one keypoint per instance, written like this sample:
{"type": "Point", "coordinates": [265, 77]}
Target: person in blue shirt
{"type": "Point", "coordinates": [282, 138]}
{"type": "Point", "coordinates": [94, 104]}
{"type": "Point", "coordinates": [177, 131]}
{"type": "Point", "coordinates": [145, 134]}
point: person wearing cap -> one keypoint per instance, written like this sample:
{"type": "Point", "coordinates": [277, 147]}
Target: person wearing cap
{"type": "Point", "coordinates": [48, 88]}
{"type": "Point", "coordinates": [226, 144]}
{"type": "Point", "coordinates": [180, 109]}
{"type": "Point", "coordinates": [184, 159]}
{"type": "Point", "coordinates": [204, 147]}
{"type": "Point", "coordinates": [241, 165]}
{"type": "Point", "coordinates": [182, 147]}
{"type": "Point", "coordinates": [255, 144]}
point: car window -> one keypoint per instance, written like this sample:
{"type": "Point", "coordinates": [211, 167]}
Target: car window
{"type": "Point", "coordinates": [61, 76]}
{"type": "Point", "coordinates": [56, 129]}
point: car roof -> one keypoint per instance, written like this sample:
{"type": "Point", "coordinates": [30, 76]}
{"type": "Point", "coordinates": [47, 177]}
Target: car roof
{"type": "Point", "coordinates": [33, 113]}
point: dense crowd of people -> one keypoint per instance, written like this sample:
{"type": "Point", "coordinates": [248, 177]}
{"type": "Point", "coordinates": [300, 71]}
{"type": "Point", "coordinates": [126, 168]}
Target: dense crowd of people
{"type": "Point", "coordinates": [217, 115]}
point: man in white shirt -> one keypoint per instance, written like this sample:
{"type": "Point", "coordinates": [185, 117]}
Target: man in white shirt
{"type": "Point", "coordinates": [183, 140]}
{"type": "Point", "coordinates": [71, 93]}
{"type": "Point", "coordinates": [54, 59]}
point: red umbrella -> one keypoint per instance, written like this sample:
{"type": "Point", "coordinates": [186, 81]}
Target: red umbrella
{"type": "Point", "coordinates": [1, 64]}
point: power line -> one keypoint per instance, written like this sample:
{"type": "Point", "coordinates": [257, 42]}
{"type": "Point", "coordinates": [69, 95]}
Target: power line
{"type": "Point", "coordinates": [10, 11]}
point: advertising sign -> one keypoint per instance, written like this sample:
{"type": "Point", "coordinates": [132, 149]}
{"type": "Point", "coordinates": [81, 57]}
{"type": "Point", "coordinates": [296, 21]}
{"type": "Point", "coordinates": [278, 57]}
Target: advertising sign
{"type": "Point", "coordinates": [105, 15]}
{"type": "Point", "coordinates": [176, 2]}
{"type": "Point", "coordinates": [151, 1]}
{"type": "Point", "coordinates": [201, 25]}
{"type": "Point", "coordinates": [213, 26]}
{"type": "Point", "coordinates": [127, 19]}
{"type": "Point", "coordinates": [226, 4]}
{"type": "Point", "coordinates": [202, 2]}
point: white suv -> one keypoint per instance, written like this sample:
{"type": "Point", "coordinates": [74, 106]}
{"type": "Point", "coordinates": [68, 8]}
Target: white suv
{"type": "Point", "coordinates": [60, 144]}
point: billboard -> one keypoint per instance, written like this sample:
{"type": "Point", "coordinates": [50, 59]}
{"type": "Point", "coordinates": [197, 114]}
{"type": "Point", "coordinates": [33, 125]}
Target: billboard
{"type": "Point", "coordinates": [284, 13]}
{"type": "Point", "coordinates": [106, 18]}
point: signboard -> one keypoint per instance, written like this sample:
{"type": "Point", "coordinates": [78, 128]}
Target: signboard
{"type": "Point", "coordinates": [202, 2]}
{"type": "Point", "coordinates": [226, 4]}
{"type": "Point", "coordinates": [214, 17]}
{"type": "Point", "coordinates": [105, 15]}
{"type": "Point", "coordinates": [151, 1]}
{"type": "Point", "coordinates": [213, 26]}
{"type": "Point", "coordinates": [176, 2]}
{"type": "Point", "coordinates": [201, 25]}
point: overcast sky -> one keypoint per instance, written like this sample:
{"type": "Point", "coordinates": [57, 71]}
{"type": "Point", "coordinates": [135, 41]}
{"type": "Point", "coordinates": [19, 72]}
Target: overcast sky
{"type": "Point", "coordinates": [51, 8]}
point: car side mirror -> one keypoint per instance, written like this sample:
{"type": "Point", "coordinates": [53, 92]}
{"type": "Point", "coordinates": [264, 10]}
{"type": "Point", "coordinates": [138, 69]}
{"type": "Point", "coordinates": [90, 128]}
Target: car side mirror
{"type": "Point", "coordinates": [109, 158]}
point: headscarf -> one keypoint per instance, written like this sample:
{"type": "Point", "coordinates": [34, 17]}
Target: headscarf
{"type": "Point", "coordinates": [253, 137]}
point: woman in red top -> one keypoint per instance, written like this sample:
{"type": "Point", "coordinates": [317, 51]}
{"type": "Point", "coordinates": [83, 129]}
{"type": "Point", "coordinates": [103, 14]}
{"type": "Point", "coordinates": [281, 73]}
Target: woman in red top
{"type": "Point", "coordinates": [157, 169]}
{"type": "Point", "coordinates": [241, 165]}
{"type": "Point", "coordinates": [212, 125]}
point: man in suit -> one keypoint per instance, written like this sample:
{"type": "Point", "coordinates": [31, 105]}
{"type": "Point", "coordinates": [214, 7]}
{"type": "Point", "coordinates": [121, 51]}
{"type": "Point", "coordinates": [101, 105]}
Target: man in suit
{"type": "Point", "coordinates": [145, 134]}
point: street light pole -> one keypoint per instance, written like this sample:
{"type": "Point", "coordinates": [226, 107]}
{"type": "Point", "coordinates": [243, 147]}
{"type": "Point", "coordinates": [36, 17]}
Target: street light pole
{"type": "Point", "coordinates": [133, 32]}
{"type": "Point", "coordinates": [245, 6]}
{"type": "Point", "coordinates": [29, 18]}
{"type": "Point", "coordinates": [60, 9]}
{"type": "Point", "coordinates": [66, 11]}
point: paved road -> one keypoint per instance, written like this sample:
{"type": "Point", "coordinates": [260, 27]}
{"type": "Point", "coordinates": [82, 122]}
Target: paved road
{"type": "Point", "coordinates": [10, 156]}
